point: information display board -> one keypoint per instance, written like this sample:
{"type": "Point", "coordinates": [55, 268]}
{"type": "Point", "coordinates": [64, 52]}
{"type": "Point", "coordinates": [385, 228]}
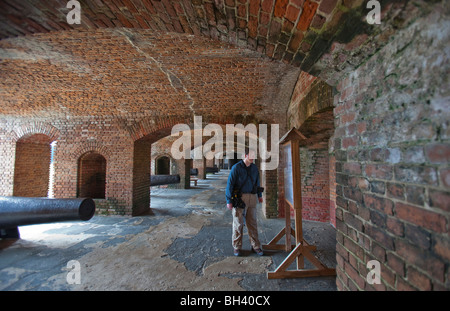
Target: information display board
{"type": "Point", "coordinates": [288, 185]}
{"type": "Point", "coordinates": [301, 250]}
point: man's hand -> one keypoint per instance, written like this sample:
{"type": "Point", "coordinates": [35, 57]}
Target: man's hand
{"type": "Point", "coordinates": [260, 200]}
{"type": "Point", "coordinates": [230, 206]}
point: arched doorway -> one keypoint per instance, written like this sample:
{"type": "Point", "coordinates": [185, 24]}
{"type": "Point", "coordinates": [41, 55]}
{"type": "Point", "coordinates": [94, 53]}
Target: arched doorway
{"type": "Point", "coordinates": [162, 165]}
{"type": "Point", "coordinates": [32, 166]}
{"type": "Point", "coordinates": [91, 176]}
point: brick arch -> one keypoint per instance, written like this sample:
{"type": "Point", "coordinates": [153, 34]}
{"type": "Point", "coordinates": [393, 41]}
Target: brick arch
{"type": "Point", "coordinates": [32, 162]}
{"type": "Point", "coordinates": [32, 158]}
{"type": "Point", "coordinates": [151, 126]}
{"type": "Point", "coordinates": [144, 133]}
{"type": "Point", "coordinates": [92, 146]}
{"type": "Point", "coordinates": [159, 156]}
{"type": "Point", "coordinates": [311, 95]}
{"type": "Point", "coordinates": [154, 74]}
{"type": "Point", "coordinates": [91, 179]}
{"type": "Point", "coordinates": [311, 112]}
{"type": "Point", "coordinates": [155, 128]}
{"type": "Point", "coordinates": [32, 128]}
{"type": "Point", "coordinates": [77, 156]}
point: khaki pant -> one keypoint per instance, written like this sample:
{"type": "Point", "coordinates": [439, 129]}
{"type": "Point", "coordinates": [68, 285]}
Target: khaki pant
{"type": "Point", "coordinates": [249, 213]}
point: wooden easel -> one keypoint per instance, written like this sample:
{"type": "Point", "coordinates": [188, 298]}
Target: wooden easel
{"type": "Point", "coordinates": [293, 197]}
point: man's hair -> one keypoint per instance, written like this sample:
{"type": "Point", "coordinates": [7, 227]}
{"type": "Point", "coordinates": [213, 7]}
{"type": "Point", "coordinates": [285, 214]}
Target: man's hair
{"type": "Point", "coordinates": [248, 150]}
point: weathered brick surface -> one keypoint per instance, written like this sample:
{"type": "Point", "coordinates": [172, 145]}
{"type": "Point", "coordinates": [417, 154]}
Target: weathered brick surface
{"type": "Point", "coordinates": [314, 167]}
{"type": "Point", "coordinates": [390, 146]}
{"type": "Point", "coordinates": [118, 83]}
{"type": "Point", "coordinates": [391, 143]}
{"type": "Point", "coordinates": [136, 73]}
{"type": "Point", "coordinates": [266, 26]}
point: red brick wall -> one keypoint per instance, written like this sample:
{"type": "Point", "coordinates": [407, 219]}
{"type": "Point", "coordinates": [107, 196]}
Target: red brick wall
{"type": "Point", "coordinates": [390, 152]}
{"type": "Point", "coordinates": [392, 148]}
{"type": "Point", "coordinates": [109, 139]}
{"type": "Point", "coordinates": [318, 186]}
{"type": "Point", "coordinates": [332, 179]}
{"type": "Point", "coordinates": [141, 76]}
{"type": "Point", "coordinates": [32, 166]}
{"type": "Point", "coordinates": [24, 133]}
{"type": "Point", "coordinates": [315, 179]}
{"type": "Point", "coordinates": [302, 88]}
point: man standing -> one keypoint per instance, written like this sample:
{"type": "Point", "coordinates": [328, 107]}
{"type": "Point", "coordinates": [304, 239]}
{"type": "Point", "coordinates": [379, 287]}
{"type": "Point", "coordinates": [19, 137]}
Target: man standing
{"type": "Point", "coordinates": [244, 175]}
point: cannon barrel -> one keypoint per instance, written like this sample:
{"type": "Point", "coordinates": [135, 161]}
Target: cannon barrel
{"type": "Point", "coordinates": [20, 211]}
{"type": "Point", "coordinates": [156, 180]}
{"type": "Point", "coordinates": [194, 171]}
{"type": "Point", "coordinates": [212, 169]}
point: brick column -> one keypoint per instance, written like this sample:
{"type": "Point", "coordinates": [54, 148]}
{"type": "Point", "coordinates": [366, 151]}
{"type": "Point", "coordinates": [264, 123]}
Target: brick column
{"type": "Point", "coordinates": [7, 152]}
{"type": "Point", "coordinates": [201, 166]}
{"type": "Point", "coordinates": [269, 180]}
{"type": "Point", "coordinates": [183, 168]}
{"type": "Point", "coordinates": [141, 176]}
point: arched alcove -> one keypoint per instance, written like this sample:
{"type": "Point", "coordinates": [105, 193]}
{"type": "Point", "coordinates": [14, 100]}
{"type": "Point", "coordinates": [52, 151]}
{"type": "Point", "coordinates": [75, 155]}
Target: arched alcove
{"type": "Point", "coordinates": [32, 166]}
{"type": "Point", "coordinates": [162, 165]}
{"type": "Point", "coordinates": [91, 176]}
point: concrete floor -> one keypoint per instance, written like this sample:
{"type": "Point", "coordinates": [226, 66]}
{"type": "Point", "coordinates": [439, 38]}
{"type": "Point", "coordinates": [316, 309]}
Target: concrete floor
{"type": "Point", "coordinates": [185, 245]}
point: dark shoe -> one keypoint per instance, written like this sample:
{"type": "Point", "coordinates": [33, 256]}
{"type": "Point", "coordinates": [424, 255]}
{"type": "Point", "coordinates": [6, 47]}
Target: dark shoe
{"type": "Point", "coordinates": [258, 251]}
{"type": "Point", "coordinates": [237, 252]}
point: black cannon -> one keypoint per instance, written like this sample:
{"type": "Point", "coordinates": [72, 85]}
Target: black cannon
{"type": "Point", "coordinates": [213, 170]}
{"type": "Point", "coordinates": [157, 180]}
{"type": "Point", "coordinates": [194, 171]}
{"type": "Point", "coordinates": [21, 211]}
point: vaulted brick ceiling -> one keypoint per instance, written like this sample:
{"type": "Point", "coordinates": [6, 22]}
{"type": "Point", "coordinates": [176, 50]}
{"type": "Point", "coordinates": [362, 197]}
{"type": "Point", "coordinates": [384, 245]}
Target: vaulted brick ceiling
{"type": "Point", "coordinates": [282, 29]}
{"type": "Point", "coordinates": [135, 73]}
{"type": "Point", "coordinates": [137, 58]}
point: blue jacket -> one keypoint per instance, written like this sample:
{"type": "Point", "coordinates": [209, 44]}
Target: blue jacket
{"type": "Point", "coordinates": [237, 177]}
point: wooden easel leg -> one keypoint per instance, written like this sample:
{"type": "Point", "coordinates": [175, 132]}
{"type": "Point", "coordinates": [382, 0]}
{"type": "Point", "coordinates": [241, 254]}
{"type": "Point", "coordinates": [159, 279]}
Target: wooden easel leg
{"type": "Point", "coordinates": [301, 251]}
{"type": "Point", "coordinates": [287, 227]}
{"type": "Point", "coordinates": [279, 272]}
{"type": "Point", "coordinates": [273, 243]}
